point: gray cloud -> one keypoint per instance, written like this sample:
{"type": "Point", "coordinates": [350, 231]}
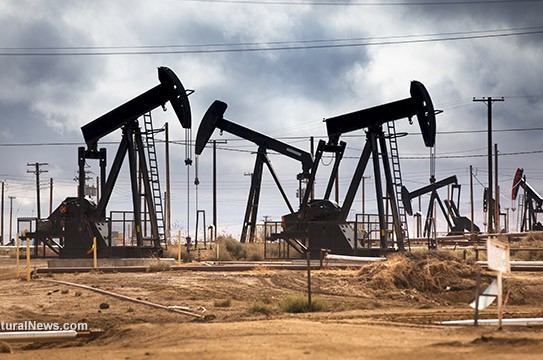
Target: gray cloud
{"type": "Point", "coordinates": [279, 93]}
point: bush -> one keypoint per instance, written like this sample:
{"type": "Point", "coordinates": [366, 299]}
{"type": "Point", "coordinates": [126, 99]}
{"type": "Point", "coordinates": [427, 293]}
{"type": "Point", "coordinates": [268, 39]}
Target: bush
{"type": "Point", "coordinates": [235, 249]}
{"type": "Point", "coordinates": [261, 309]}
{"type": "Point", "coordinates": [158, 265]}
{"type": "Point", "coordinates": [299, 304]}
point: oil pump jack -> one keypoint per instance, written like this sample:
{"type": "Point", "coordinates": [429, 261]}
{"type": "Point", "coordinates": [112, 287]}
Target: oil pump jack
{"type": "Point", "coordinates": [323, 222]}
{"type": "Point", "coordinates": [457, 224]}
{"type": "Point", "coordinates": [213, 119]}
{"type": "Point", "coordinates": [532, 204]}
{"type": "Point", "coordinates": [77, 220]}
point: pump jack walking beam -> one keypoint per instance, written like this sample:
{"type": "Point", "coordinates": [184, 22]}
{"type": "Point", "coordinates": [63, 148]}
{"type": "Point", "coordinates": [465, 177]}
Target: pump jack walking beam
{"type": "Point", "coordinates": [170, 89]}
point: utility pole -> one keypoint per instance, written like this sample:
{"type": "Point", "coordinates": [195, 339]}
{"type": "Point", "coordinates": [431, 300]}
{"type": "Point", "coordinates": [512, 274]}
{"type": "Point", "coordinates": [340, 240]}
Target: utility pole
{"type": "Point", "coordinates": [168, 188]}
{"type": "Point", "coordinates": [37, 171]}
{"type": "Point", "coordinates": [215, 142]}
{"type": "Point", "coordinates": [364, 201]}
{"type": "Point", "coordinates": [312, 149]}
{"type": "Point", "coordinates": [11, 216]}
{"type": "Point", "coordinates": [489, 101]}
{"type": "Point", "coordinates": [215, 186]}
{"type": "Point", "coordinates": [50, 196]}
{"type": "Point", "coordinates": [497, 191]}
{"type": "Point", "coordinates": [472, 213]}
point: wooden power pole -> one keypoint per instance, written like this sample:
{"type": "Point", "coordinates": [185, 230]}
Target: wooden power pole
{"type": "Point", "coordinates": [37, 171]}
{"type": "Point", "coordinates": [489, 101]}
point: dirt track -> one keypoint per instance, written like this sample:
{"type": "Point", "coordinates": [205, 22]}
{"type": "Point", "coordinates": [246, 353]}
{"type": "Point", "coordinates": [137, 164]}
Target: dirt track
{"type": "Point", "coordinates": [366, 318]}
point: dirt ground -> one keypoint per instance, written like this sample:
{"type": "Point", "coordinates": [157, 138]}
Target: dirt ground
{"type": "Point", "coordinates": [382, 311]}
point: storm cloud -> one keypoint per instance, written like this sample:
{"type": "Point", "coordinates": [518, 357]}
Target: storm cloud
{"type": "Point", "coordinates": [45, 97]}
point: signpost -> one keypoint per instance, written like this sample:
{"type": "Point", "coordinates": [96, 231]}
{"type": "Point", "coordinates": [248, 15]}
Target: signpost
{"type": "Point", "coordinates": [498, 260]}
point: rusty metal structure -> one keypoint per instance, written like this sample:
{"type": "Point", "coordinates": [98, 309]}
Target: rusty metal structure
{"type": "Point", "coordinates": [70, 229]}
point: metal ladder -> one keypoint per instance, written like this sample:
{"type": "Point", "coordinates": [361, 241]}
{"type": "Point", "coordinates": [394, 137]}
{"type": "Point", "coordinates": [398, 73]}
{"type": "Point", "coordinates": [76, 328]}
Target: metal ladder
{"type": "Point", "coordinates": [397, 175]}
{"type": "Point", "coordinates": [156, 194]}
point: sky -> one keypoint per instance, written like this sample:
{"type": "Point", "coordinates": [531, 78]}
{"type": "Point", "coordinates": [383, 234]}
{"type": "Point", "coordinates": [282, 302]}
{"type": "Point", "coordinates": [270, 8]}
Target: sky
{"type": "Point", "coordinates": [282, 67]}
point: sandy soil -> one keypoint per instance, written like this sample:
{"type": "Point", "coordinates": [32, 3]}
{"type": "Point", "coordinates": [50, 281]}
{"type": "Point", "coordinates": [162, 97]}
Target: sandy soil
{"type": "Point", "coordinates": [370, 315]}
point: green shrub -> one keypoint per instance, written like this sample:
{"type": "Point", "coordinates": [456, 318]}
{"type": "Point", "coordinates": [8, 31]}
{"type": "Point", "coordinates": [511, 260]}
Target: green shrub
{"type": "Point", "coordinates": [299, 304]}
{"type": "Point", "coordinates": [261, 308]}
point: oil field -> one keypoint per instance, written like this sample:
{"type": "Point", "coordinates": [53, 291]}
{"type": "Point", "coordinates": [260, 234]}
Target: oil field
{"type": "Point", "coordinates": [268, 179]}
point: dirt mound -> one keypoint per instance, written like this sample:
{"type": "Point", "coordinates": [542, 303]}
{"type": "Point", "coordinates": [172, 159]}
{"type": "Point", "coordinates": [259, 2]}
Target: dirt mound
{"type": "Point", "coordinates": [432, 272]}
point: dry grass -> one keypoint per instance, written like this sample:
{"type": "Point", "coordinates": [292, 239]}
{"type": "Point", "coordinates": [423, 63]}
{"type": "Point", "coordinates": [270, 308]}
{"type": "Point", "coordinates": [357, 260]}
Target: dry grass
{"type": "Point", "coordinates": [5, 348]}
{"type": "Point", "coordinates": [432, 271]}
{"type": "Point", "coordinates": [533, 240]}
{"type": "Point", "coordinates": [260, 308]}
{"type": "Point", "coordinates": [222, 303]}
{"type": "Point", "coordinates": [158, 265]}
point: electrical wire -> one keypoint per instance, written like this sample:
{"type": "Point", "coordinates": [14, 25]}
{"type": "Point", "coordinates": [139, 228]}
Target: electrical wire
{"type": "Point", "coordinates": [474, 36]}
{"type": "Point", "coordinates": [358, 3]}
{"type": "Point", "coordinates": [135, 47]}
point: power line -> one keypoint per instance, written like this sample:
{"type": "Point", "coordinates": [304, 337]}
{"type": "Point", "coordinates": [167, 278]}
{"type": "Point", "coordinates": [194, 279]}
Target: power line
{"type": "Point", "coordinates": [182, 142]}
{"type": "Point", "coordinates": [472, 156]}
{"type": "Point", "coordinates": [351, 3]}
{"type": "Point", "coordinates": [277, 48]}
{"type": "Point", "coordinates": [291, 42]}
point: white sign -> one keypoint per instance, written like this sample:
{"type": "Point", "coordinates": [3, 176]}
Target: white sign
{"type": "Point", "coordinates": [498, 256]}
{"type": "Point", "coordinates": [487, 297]}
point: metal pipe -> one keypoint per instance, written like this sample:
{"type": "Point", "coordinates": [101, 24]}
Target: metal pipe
{"type": "Point", "coordinates": [32, 336]}
{"type": "Point", "coordinates": [353, 258]}
{"type": "Point", "coordinates": [123, 297]}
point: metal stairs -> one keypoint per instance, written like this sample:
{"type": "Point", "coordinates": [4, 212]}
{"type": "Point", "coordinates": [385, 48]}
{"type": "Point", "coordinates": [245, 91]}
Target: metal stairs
{"type": "Point", "coordinates": [397, 177]}
{"type": "Point", "coordinates": [156, 194]}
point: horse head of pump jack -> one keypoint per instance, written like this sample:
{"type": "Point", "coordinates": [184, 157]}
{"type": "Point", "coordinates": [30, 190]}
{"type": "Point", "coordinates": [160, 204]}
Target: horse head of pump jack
{"type": "Point", "coordinates": [208, 125]}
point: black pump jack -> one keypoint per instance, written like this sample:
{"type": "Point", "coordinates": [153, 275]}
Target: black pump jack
{"type": "Point", "coordinates": [77, 220]}
{"type": "Point", "coordinates": [533, 202]}
{"type": "Point", "coordinates": [213, 119]}
{"type": "Point", "coordinates": [323, 222]}
{"type": "Point", "coordinates": [457, 224]}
